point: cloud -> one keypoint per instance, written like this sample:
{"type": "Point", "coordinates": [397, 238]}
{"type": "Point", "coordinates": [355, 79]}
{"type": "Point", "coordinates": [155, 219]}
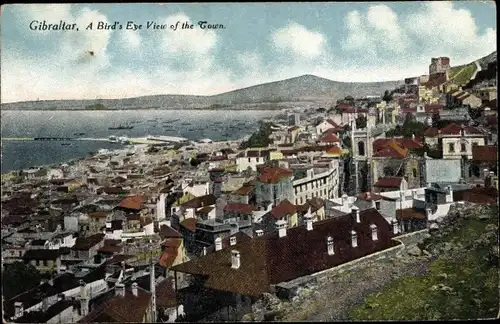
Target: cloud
{"type": "Point", "coordinates": [380, 35]}
{"type": "Point", "coordinates": [375, 32]}
{"type": "Point", "coordinates": [378, 45]}
{"type": "Point", "coordinates": [446, 30]}
{"type": "Point", "coordinates": [130, 39]}
{"type": "Point", "coordinates": [299, 40]}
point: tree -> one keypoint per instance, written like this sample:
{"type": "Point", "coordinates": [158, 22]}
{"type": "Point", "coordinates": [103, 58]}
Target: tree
{"type": "Point", "coordinates": [260, 138]}
{"type": "Point", "coordinates": [387, 96]}
{"type": "Point", "coordinates": [18, 278]}
{"type": "Point", "coordinates": [320, 110]}
{"type": "Point", "coordinates": [361, 122]}
{"type": "Point", "coordinates": [194, 162]}
{"type": "Point", "coordinates": [436, 118]}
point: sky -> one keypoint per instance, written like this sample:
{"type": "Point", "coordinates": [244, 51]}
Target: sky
{"type": "Point", "coordinates": [260, 42]}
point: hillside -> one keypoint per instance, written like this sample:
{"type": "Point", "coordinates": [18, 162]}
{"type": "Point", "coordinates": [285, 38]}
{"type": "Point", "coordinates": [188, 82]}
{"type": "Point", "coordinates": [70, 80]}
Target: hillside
{"type": "Point", "coordinates": [463, 278]}
{"type": "Point", "coordinates": [484, 61]}
{"type": "Point", "coordinates": [462, 74]}
{"type": "Point", "coordinates": [306, 88]}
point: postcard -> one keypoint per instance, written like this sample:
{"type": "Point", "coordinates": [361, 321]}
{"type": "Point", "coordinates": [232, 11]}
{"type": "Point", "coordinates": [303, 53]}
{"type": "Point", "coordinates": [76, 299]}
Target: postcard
{"type": "Point", "coordinates": [300, 161]}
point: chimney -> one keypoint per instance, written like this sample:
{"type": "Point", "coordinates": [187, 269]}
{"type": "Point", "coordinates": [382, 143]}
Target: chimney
{"type": "Point", "coordinates": [344, 200]}
{"type": "Point", "coordinates": [329, 245]}
{"type": "Point", "coordinates": [234, 228]}
{"type": "Point", "coordinates": [486, 172]}
{"type": "Point", "coordinates": [429, 185]}
{"type": "Point", "coordinates": [449, 194]}
{"type": "Point", "coordinates": [428, 213]}
{"type": "Point", "coordinates": [368, 195]}
{"type": "Point", "coordinates": [134, 289]}
{"type": "Point", "coordinates": [218, 244]}
{"type": "Point", "coordinates": [413, 136]}
{"type": "Point", "coordinates": [120, 289]}
{"type": "Point", "coordinates": [204, 250]}
{"type": "Point", "coordinates": [259, 232]}
{"type": "Point", "coordinates": [232, 240]}
{"type": "Point", "coordinates": [235, 259]}
{"type": "Point", "coordinates": [395, 227]}
{"type": "Point", "coordinates": [174, 287]}
{"type": "Point", "coordinates": [281, 227]}
{"type": "Point", "coordinates": [354, 239]}
{"type": "Point", "coordinates": [373, 228]}
{"type": "Point", "coordinates": [84, 298]}
{"type": "Point", "coordinates": [19, 310]}
{"type": "Point", "coordinates": [355, 212]}
{"type": "Point", "coordinates": [309, 222]}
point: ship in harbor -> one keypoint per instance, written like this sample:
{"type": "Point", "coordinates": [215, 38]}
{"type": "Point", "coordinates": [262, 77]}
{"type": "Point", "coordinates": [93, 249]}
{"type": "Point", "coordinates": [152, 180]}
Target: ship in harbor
{"type": "Point", "coordinates": [121, 127]}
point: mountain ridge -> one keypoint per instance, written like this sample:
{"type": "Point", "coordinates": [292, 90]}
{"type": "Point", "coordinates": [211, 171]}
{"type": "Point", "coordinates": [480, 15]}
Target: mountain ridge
{"type": "Point", "coordinates": [304, 89]}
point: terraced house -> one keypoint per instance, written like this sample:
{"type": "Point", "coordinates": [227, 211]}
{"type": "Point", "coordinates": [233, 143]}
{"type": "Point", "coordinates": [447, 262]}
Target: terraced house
{"type": "Point", "coordinates": [227, 282]}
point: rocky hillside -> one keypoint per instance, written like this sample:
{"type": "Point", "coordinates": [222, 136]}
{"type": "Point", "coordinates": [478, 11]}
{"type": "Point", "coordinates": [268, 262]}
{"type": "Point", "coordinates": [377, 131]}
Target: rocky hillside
{"type": "Point", "coordinates": [462, 282]}
{"type": "Point", "coordinates": [453, 274]}
{"type": "Point", "coordinates": [484, 61]}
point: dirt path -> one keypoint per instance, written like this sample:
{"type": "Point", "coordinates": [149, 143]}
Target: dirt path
{"type": "Point", "coordinates": [332, 301]}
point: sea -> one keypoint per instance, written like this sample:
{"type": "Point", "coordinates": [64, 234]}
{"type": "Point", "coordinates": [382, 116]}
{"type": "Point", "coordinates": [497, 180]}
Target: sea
{"type": "Point", "coordinates": [216, 125]}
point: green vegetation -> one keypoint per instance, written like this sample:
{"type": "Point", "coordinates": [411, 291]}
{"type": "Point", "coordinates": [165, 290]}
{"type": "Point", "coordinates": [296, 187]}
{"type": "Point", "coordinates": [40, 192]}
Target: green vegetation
{"type": "Point", "coordinates": [387, 95]}
{"type": "Point", "coordinates": [260, 138]}
{"type": "Point", "coordinates": [410, 127]}
{"type": "Point", "coordinates": [462, 283]}
{"type": "Point", "coordinates": [18, 278]}
{"type": "Point", "coordinates": [361, 122]}
{"type": "Point", "coordinates": [95, 107]}
{"type": "Point", "coordinates": [461, 74]}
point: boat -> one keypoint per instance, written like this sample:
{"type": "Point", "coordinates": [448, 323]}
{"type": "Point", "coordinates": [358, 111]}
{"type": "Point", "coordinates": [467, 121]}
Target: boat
{"type": "Point", "coordinates": [112, 138]}
{"type": "Point", "coordinates": [65, 144]}
{"type": "Point", "coordinates": [121, 127]}
{"type": "Point", "coordinates": [78, 134]}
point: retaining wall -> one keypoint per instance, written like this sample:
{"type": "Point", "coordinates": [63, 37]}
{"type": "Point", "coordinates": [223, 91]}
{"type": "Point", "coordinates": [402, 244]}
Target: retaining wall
{"type": "Point", "coordinates": [289, 289]}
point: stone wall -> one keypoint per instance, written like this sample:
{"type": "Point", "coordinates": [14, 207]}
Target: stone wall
{"type": "Point", "coordinates": [287, 290]}
{"type": "Point", "coordinates": [412, 238]}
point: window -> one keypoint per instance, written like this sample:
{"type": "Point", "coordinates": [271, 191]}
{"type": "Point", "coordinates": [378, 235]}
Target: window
{"type": "Point", "coordinates": [248, 160]}
{"type": "Point", "coordinates": [377, 205]}
{"type": "Point", "coordinates": [451, 148]}
{"type": "Point", "coordinates": [258, 160]}
{"type": "Point", "coordinates": [361, 148]}
{"type": "Point", "coordinates": [414, 172]}
{"type": "Point", "coordinates": [463, 148]}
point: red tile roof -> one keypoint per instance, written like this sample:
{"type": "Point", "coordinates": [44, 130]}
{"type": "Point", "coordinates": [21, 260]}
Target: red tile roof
{"type": "Point", "coordinates": [133, 202]}
{"type": "Point", "coordinates": [285, 208]}
{"type": "Point", "coordinates": [273, 175]}
{"type": "Point", "coordinates": [477, 195]}
{"type": "Point", "coordinates": [451, 129]}
{"type": "Point", "coordinates": [433, 108]}
{"type": "Point", "coordinates": [431, 132]}
{"type": "Point", "coordinates": [168, 232]}
{"type": "Point", "coordinates": [129, 308]}
{"type": "Point", "coordinates": [369, 196]}
{"type": "Point", "coordinates": [240, 237]}
{"type": "Point", "coordinates": [410, 213]}
{"type": "Point", "coordinates": [166, 294]}
{"type": "Point", "coordinates": [190, 224]}
{"type": "Point", "coordinates": [331, 122]}
{"type": "Point", "coordinates": [484, 153]}
{"type": "Point", "coordinates": [389, 182]}
{"type": "Point", "coordinates": [330, 138]}
{"type": "Point", "coordinates": [334, 151]}
{"type": "Point", "coordinates": [269, 259]}
{"type": "Point", "coordinates": [239, 208]}
{"type": "Point", "coordinates": [389, 148]}
{"type": "Point", "coordinates": [243, 191]}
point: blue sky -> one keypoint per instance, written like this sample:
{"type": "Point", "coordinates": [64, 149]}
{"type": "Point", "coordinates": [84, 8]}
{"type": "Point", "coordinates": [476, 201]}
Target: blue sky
{"type": "Point", "coordinates": [358, 42]}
